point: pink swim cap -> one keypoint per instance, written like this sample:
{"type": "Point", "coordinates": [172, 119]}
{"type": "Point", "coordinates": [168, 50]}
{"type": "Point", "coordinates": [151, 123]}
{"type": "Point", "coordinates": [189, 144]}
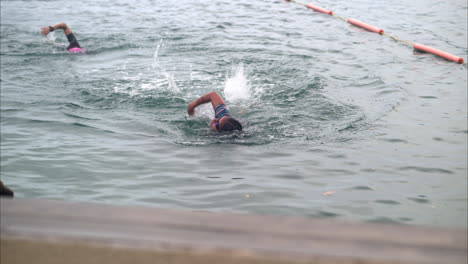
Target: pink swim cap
{"type": "Point", "coordinates": [76, 50]}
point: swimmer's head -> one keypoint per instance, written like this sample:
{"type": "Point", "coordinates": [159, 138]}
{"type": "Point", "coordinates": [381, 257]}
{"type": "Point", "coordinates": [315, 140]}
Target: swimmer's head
{"type": "Point", "coordinates": [76, 50]}
{"type": "Point", "coordinates": [230, 124]}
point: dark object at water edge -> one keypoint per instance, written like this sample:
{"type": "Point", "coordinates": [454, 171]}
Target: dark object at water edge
{"type": "Point", "coordinates": [5, 191]}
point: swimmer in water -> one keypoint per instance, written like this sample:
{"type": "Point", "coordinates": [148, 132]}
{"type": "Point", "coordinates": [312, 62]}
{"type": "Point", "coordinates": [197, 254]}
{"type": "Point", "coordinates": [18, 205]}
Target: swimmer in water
{"type": "Point", "coordinates": [74, 45]}
{"type": "Point", "coordinates": [223, 120]}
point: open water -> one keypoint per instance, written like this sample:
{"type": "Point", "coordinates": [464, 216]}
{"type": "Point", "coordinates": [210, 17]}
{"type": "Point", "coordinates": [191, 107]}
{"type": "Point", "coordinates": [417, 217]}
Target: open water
{"type": "Point", "coordinates": [339, 122]}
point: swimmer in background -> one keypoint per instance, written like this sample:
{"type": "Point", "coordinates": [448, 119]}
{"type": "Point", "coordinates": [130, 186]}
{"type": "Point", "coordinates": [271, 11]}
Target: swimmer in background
{"type": "Point", "coordinates": [74, 45]}
{"type": "Point", "coordinates": [223, 120]}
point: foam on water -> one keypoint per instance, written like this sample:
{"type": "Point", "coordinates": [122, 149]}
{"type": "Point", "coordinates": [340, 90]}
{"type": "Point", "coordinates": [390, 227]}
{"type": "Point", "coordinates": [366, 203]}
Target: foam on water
{"type": "Point", "coordinates": [50, 38]}
{"type": "Point", "coordinates": [157, 78]}
{"type": "Point", "coordinates": [204, 111]}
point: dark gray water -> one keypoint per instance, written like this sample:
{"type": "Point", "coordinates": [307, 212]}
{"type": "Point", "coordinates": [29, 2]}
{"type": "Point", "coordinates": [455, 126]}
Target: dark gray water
{"type": "Point", "coordinates": [339, 122]}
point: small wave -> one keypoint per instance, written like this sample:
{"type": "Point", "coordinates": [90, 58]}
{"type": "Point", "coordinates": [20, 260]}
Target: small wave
{"type": "Point", "coordinates": [73, 106]}
{"type": "Point", "coordinates": [386, 220]}
{"type": "Point", "coordinates": [63, 125]}
{"type": "Point", "coordinates": [419, 200]}
{"type": "Point", "coordinates": [79, 117]}
{"type": "Point", "coordinates": [234, 139]}
{"type": "Point", "coordinates": [394, 140]}
{"type": "Point", "coordinates": [325, 214]}
{"type": "Point", "coordinates": [387, 92]}
{"type": "Point", "coordinates": [369, 82]}
{"type": "Point", "coordinates": [390, 202]}
{"type": "Point", "coordinates": [428, 97]}
{"type": "Point", "coordinates": [81, 125]}
{"type": "Point", "coordinates": [362, 188]}
{"type": "Point", "coordinates": [195, 132]}
{"type": "Point", "coordinates": [106, 49]}
{"type": "Point", "coordinates": [424, 169]}
{"type": "Point", "coordinates": [160, 100]}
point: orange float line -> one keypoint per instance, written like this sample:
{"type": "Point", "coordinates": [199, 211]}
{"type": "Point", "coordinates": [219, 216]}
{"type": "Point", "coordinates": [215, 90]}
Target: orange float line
{"type": "Point", "coordinates": [364, 25]}
{"type": "Point", "coordinates": [361, 24]}
{"type": "Point", "coordinates": [319, 9]}
{"type": "Point", "coordinates": [440, 53]}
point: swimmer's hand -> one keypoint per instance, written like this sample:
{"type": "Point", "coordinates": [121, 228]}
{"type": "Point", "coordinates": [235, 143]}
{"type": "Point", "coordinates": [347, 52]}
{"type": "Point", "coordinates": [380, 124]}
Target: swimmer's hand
{"type": "Point", "coordinates": [191, 109]}
{"type": "Point", "coordinates": [212, 97]}
{"type": "Point", "coordinates": [45, 31]}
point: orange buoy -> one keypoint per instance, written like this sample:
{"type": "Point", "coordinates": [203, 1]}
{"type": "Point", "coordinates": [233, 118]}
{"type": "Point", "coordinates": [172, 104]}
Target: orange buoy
{"type": "Point", "coordinates": [381, 31]}
{"type": "Point", "coordinates": [319, 9]}
{"type": "Point", "coordinates": [364, 25]}
{"type": "Point", "coordinates": [440, 53]}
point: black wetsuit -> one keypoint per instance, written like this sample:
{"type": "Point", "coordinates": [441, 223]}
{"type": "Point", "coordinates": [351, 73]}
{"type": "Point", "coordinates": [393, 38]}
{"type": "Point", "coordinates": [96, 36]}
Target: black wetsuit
{"type": "Point", "coordinates": [73, 42]}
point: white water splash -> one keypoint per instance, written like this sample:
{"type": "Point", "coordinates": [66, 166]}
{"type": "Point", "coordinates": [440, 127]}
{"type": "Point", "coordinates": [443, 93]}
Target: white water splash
{"type": "Point", "coordinates": [50, 38]}
{"type": "Point", "coordinates": [155, 55]}
{"type": "Point", "coordinates": [157, 68]}
{"type": "Point", "coordinates": [237, 86]}
{"type": "Point", "coordinates": [172, 86]}
{"type": "Point", "coordinates": [204, 111]}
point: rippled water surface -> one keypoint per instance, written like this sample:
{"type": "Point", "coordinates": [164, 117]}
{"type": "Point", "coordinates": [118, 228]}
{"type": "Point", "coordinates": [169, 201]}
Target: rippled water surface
{"type": "Point", "coordinates": [339, 122]}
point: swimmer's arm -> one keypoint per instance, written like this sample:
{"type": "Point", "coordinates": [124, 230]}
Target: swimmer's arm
{"type": "Point", "coordinates": [63, 26]}
{"type": "Point", "coordinates": [212, 97]}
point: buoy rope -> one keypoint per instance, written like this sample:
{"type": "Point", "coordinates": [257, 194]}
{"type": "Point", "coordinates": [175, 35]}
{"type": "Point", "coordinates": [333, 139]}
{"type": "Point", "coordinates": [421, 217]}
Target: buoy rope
{"type": "Point", "coordinates": [342, 18]}
{"type": "Point", "coordinates": [397, 39]}
{"type": "Point", "coordinates": [381, 31]}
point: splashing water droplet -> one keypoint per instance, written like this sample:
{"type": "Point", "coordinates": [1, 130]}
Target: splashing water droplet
{"type": "Point", "coordinates": [50, 38]}
{"type": "Point", "coordinates": [172, 86]}
{"type": "Point", "coordinates": [237, 87]}
{"type": "Point", "coordinates": [156, 54]}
